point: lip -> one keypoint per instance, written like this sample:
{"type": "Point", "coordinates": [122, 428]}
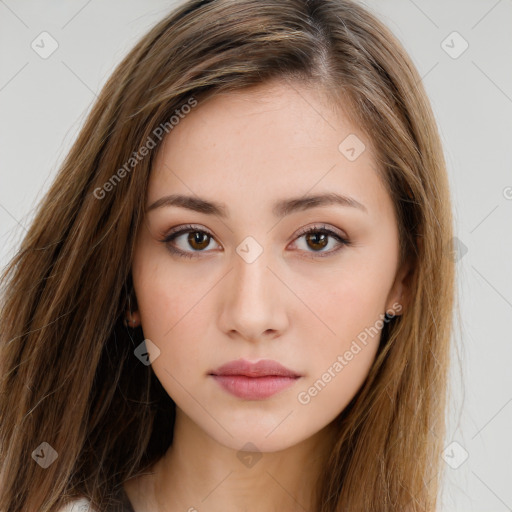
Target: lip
{"type": "Point", "coordinates": [262, 368]}
{"type": "Point", "coordinates": [254, 381]}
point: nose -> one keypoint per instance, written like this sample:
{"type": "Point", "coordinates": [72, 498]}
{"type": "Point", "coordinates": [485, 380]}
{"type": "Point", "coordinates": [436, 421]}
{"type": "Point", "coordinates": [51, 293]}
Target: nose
{"type": "Point", "coordinates": [253, 301]}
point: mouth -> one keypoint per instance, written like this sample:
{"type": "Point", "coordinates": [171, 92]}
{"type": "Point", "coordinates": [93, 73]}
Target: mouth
{"type": "Point", "coordinates": [254, 381]}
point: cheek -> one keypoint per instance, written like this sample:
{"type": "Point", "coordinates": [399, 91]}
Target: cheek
{"type": "Point", "coordinates": [171, 306]}
{"type": "Point", "coordinates": [362, 288]}
{"type": "Point", "coordinates": [350, 301]}
{"type": "Point", "coordinates": [340, 362]}
{"type": "Point", "coordinates": [169, 315]}
{"type": "Point", "coordinates": [353, 311]}
{"type": "Point", "coordinates": [328, 392]}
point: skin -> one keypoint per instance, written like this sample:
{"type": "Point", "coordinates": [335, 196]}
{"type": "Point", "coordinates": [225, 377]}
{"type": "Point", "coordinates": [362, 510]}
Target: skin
{"type": "Point", "coordinates": [248, 149]}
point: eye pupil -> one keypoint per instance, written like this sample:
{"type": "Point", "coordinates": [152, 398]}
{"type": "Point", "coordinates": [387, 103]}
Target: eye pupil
{"type": "Point", "coordinates": [314, 236]}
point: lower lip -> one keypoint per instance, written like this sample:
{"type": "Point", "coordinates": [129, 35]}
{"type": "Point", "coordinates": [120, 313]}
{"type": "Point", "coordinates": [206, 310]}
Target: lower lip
{"type": "Point", "coordinates": [254, 388]}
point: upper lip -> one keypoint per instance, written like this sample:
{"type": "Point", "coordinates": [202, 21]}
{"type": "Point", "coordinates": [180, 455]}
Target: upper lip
{"type": "Point", "coordinates": [261, 368]}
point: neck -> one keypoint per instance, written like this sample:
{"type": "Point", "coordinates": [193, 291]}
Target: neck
{"type": "Point", "coordinates": [198, 473]}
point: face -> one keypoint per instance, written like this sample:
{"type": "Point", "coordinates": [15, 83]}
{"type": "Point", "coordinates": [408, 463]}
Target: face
{"type": "Point", "coordinates": [241, 278]}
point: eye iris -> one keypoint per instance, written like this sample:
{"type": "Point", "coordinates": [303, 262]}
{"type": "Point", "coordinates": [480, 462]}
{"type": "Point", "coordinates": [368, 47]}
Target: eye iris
{"type": "Point", "coordinates": [314, 236]}
{"type": "Point", "coordinates": [194, 237]}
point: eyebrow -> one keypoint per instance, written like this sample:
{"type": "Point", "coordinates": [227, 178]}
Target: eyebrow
{"type": "Point", "coordinates": [281, 208]}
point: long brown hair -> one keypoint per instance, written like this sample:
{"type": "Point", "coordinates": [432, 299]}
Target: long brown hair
{"type": "Point", "coordinates": [69, 374]}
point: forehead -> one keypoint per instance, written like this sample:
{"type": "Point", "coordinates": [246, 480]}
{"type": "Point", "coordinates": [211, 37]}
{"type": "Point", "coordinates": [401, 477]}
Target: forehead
{"type": "Point", "coordinates": [265, 142]}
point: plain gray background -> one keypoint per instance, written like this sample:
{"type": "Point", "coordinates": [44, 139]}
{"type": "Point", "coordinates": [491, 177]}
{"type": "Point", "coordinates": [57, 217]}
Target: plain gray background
{"type": "Point", "coordinates": [43, 102]}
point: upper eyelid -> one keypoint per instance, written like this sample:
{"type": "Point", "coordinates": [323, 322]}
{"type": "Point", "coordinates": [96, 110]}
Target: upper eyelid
{"type": "Point", "coordinates": [322, 226]}
{"type": "Point", "coordinates": [180, 230]}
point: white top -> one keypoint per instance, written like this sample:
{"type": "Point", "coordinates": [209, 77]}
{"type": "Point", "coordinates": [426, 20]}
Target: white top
{"type": "Point", "coordinates": [78, 505]}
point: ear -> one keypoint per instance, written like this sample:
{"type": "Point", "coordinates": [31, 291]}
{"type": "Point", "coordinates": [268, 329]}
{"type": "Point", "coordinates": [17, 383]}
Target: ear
{"type": "Point", "coordinates": [132, 315]}
{"type": "Point", "coordinates": [399, 295]}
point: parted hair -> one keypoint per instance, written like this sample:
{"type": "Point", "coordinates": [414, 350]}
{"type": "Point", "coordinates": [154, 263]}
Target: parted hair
{"type": "Point", "coordinates": [69, 376]}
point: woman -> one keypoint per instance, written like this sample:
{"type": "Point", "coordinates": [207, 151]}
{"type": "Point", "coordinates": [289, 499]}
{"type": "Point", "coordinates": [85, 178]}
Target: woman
{"type": "Point", "coordinates": [237, 294]}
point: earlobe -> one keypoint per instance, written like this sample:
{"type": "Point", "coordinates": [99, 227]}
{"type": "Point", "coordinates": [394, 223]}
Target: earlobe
{"type": "Point", "coordinates": [132, 319]}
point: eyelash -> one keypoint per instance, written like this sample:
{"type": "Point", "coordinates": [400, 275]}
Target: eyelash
{"type": "Point", "coordinates": [315, 229]}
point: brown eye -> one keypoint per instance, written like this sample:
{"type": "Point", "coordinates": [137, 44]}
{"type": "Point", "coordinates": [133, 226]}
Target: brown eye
{"type": "Point", "coordinates": [197, 241]}
{"type": "Point", "coordinates": [317, 240]}
{"type": "Point", "coordinates": [200, 238]}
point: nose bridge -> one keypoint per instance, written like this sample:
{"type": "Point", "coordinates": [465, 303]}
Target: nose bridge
{"type": "Point", "coordinates": [251, 281]}
{"type": "Point", "coordinates": [253, 303]}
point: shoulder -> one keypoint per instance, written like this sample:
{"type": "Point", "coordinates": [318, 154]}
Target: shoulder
{"type": "Point", "coordinates": [78, 505]}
